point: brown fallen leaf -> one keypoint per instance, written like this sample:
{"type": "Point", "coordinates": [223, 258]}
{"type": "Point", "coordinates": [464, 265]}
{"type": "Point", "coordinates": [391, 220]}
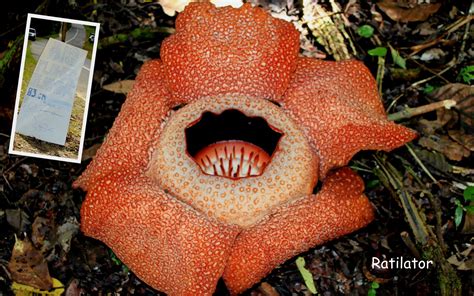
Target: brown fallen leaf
{"type": "Point", "coordinates": [17, 219]}
{"type": "Point", "coordinates": [90, 152]}
{"type": "Point", "coordinates": [466, 140]}
{"type": "Point", "coordinates": [463, 260]}
{"type": "Point", "coordinates": [267, 290]}
{"type": "Point", "coordinates": [401, 11]}
{"type": "Point", "coordinates": [120, 87]}
{"type": "Point", "coordinates": [445, 145]}
{"type": "Point", "coordinates": [463, 94]}
{"type": "Point", "coordinates": [43, 234]}
{"type": "Point", "coordinates": [66, 232]}
{"type": "Point", "coordinates": [435, 160]}
{"type": "Point", "coordinates": [28, 266]}
{"type": "Point", "coordinates": [468, 226]}
{"type": "Point", "coordinates": [443, 117]}
{"type": "Point", "coordinates": [73, 289]}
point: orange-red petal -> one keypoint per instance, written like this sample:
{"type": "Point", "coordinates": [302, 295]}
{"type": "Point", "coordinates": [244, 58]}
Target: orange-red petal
{"type": "Point", "coordinates": [338, 105]}
{"type": "Point", "coordinates": [166, 243]}
{"type": "Point", "coordinates": [339, 208]}
{"type": "Point", "coordinates": [227, 50]}
{"type": "Point", "coordinates": [126, 145]}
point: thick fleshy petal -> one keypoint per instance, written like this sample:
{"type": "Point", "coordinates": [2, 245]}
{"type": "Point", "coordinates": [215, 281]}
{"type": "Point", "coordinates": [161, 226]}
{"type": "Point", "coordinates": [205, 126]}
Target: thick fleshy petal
{"type": "Point", "coordinates": [126, 146]}
{"type": "Point", "coordinates": [339, 208]}
{"type": "Point", "coordinates": [338, 105]}
{"type": "Point", "coordinates": [226, 50]}
{"type": "Point", "coordinates": [165, 242]}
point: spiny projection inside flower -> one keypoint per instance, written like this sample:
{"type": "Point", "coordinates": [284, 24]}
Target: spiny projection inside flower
{"type": "Point", "coordinates": [232, 159]}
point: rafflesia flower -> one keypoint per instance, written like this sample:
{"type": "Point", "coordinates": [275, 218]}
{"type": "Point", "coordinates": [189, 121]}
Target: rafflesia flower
{"type": "Point", "coordinates": [210, 168]}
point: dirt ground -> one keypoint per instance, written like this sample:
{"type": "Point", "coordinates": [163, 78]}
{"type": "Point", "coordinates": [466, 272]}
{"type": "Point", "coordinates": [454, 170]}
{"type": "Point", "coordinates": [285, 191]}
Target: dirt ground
{"type": "Point", "coordinates": [70, 150]}
{"type": "Point", "coordinates": [422, 193]}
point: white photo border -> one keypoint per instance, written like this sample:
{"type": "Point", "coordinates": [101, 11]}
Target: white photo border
{"type": "Point", "coordinates": [88, 92]}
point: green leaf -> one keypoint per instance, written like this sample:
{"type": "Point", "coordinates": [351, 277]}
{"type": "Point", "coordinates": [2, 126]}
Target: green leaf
{"type": "Point", "coordinates": [365, 31]}
{"type": "Point", "coordinates": [469, 193]}
{"type": "Point", "coordinates": [306, 274]}
{"type": "Point", "coordinates": [458, 203]}
{"type": "Point", "coordinates": [469, 209]}
{"type": "Point", "coordinates": [458, 216]}
{"type": "Point", "coordinates": [371, 292]}
{"type": "Point", "coordinates": [398, 59]}
{"type": "Point", "coordinates": [466, 74]}
{"type": "Point", "coordinates": [375, 285]}
{"type": "Point", "coordinates": [428, 89]}
{"type": "Point", "coordinates": [378, 52]}
{"type": "Point", "coordinates": [372, 184]}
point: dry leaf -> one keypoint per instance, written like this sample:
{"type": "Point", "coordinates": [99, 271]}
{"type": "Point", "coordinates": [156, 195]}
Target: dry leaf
{"type": "Point", "coordinates": [463, 260]}
{"type": "Point", "coordinates": [17, 219]}
{"type": "Point", "coordinates": [43, 234]}
{"type": "Point", "coordinates": [28, 266]}
{"type": "Point", "coordinates": [468, 226]}
{"type": "Point", "coordinates": [73, 289]}
{"type": "Point", "coordinates": [445, 145]}
{"type": "Point", "coordinates": [425, 29]}
{"type": "Point", "coordinates": [267, 290]}
{"type": "Point", "coordinates": [66, 232]}
{"type": "Point", "coordinates": [463, 94]}
{"type": "Point", "coordinates": [377, 16]}
{"type": "Point", "coordinates": [432, 54]}
{"type": "Point", "coordinates": [26, 290]}
{"type": "Point", "coordinates": [398, 11]}
{"type": "Point", "coordinates": [435, 160]}
{"type": "Point", "coordinates": [443, 117]}
{"type": "Point", "coordinates": [90, 152]}
{"type": "Point", "coordinates": [328, 27]}
{"type": "Point", "coordinates": [120, 87]}
{"type": "Point", "coordinates": [466, 140]}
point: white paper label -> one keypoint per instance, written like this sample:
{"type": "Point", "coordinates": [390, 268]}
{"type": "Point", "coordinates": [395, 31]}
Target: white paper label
{"type": "Point", "coordinates": [47, 105]}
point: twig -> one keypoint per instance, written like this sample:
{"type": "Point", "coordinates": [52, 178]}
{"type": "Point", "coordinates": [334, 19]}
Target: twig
{"type": "Point", "coordinates": [456, 25]}
{"type": "Point", "coordinates": [394, 101]}
{"type": "Point", "coordinates": [413, 153]}
{"type": "Point", "coordinates": [438, 216]}
{"type": "Point", "coordinates": [410, 112]}
{"type": "Point", "coordinates": [465, 36]}
{"type": "Point", "coordinates": [411, 212]}
{"type": "Point", "coordinates": [451, 64]}
{"type": "Point", "coordinates": [380, 73]}
{"type": "Point", "coordinates": [14, 165]}
{"type": "Point", "coordinates": [462, 171]}
{"type": "Point", "coordinates": [6, 181]}
{"type": "Point", "coordinates": [448, 280]}
{"type": "Point", "coordinates": [360, 169]}
{"type": "Point", "coordinates": [431, 71]}
{"type": "Point", "coordinates": [409, 243]}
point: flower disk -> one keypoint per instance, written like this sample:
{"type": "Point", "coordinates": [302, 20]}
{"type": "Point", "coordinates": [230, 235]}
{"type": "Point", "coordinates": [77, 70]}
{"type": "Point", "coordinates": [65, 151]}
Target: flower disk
{"type": "Point", "coordinates": [291, 172]}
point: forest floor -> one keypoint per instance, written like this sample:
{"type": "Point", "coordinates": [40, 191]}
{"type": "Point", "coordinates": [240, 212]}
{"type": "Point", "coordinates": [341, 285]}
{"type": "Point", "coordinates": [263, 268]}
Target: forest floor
{"type": "Point", "coordinates": [422, 193]}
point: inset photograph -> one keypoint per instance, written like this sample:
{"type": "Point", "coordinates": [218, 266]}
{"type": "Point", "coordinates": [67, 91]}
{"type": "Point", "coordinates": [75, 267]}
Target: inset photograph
{"type": "Point", "coordinates": [54, 88]}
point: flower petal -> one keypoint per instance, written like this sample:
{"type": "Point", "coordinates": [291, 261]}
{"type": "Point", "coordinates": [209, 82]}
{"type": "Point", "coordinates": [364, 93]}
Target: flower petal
{"type": "Point", "coordinates": [339, 208]}
{"type": "Point", "coordinates": [227, 50]}
{"type": "Point", "coordinates": [339, 106]}
{"type": "Point", "coordinates": [140, 119]}
{"type": "Point", "coordinates": [165, 242]}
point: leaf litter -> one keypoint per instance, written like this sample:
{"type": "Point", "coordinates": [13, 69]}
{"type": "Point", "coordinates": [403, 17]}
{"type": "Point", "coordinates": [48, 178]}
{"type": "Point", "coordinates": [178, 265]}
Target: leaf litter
{"type": "Point", "coordinates": [420, 53]}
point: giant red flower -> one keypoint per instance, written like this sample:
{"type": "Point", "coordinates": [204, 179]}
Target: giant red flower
{"type": "Point", "coordinates": [209, 169]}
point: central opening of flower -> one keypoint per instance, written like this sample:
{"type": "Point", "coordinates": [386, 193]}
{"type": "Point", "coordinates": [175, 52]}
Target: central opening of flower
{"type": "Point", "coordinates": [231, 144]}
